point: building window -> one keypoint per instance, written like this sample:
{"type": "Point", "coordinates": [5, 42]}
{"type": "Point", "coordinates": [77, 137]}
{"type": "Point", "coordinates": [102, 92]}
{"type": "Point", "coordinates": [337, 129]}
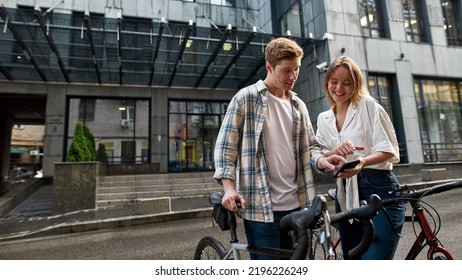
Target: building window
{"type": "Point", "coordinates": [370, 15]}
{"type": "Point", "coordinates": [121, 126]}
{"type": "Point", "coordinates": [287, 16]}
{"type": "Point", "coordinates": [18, 127]}
{"type": "Point", "coordinates": [229, 3]}
{"type": "Point", "coordinates": [127, 110]}
{"type": "Point", "coordinates": [451, 23]}
{"type": "Point", "coordinates": [193, 129]}
{"type": "Point", "coordinates": [290, 21]}
{"type": "Point", "coordinates": [380, 87]}
{"type": "Point", "coordinates": [413, 21]}
{"type": "Point", "coordinates": [440, 114]}
{"type": "Point", "coordinates": [86, 109]}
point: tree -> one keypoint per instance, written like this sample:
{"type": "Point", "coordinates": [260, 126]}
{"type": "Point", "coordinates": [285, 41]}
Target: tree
{"type": "Point", "coordinates": [83, 145]}
{"type": "Point", "coordinates": [101, 153]}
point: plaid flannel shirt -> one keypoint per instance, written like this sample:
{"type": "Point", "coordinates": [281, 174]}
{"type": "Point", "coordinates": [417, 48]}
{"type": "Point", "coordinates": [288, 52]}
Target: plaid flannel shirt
{"type": "Point", "coordinates": [240, 151]}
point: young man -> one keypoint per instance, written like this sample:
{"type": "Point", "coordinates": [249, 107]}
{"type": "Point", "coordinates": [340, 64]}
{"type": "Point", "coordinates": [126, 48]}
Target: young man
{"type": "Point", "coordinates": [266, 150]}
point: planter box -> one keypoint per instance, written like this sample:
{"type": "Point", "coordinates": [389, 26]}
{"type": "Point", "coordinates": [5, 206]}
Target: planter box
{"type": "Point", "coordinates": [75, 186]}
{"type": "Point", "coordinates": [75, 183]}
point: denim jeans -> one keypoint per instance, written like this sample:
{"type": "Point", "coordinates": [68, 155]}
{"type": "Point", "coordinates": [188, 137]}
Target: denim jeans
{"type": "Point", "coordinates": [262, 234]}
{"type": "Point", "coordinates": [385, 240]}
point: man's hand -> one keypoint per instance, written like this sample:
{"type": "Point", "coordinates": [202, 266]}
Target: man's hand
{"type": "Point", "coordinates": [330, 163]}
{"type": "Point", "coordinates": [231, 196]}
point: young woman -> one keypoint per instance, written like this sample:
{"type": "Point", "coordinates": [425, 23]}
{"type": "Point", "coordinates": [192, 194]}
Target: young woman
{"type": "Point", "coordinates": [358, 128]}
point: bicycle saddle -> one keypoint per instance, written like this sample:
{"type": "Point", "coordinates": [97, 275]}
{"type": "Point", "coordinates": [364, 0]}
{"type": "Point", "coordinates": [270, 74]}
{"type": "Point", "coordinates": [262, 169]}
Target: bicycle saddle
{"type": "Point", "coordinates": [215, 197]}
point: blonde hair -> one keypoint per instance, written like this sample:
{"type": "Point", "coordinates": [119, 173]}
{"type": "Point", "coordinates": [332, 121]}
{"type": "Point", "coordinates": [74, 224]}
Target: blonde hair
{"type": "Point", "coordinates": [359, 87]}
{"type": "Point", "coordinates": [282, 49]}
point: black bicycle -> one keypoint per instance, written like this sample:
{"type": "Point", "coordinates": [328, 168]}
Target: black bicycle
{"type": "Point", "coordinates": [297, 225]}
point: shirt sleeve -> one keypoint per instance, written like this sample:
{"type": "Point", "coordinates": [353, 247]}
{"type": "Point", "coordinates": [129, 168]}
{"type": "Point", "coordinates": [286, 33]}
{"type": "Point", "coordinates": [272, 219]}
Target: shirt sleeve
{"type": "Point", "coordinates": [227, 144]}
{"type": "Point", "coordinates": [384, 135]}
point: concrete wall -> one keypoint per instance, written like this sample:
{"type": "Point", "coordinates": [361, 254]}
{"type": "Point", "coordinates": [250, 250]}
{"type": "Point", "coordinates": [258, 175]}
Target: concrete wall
{"type": "Point", "coordinates": [74, 186]}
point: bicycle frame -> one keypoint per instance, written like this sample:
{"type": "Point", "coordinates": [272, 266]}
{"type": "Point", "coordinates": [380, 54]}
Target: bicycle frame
{"type": "Point", "coordinates": [425, 237]}
{"type": "Point", "coordinates": [236, 248]}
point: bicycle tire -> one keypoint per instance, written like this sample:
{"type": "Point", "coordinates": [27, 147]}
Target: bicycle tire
{"type": "Point", "coordinates": [319, 252]}
{"type": "Point", "coordinates": [209, 248]}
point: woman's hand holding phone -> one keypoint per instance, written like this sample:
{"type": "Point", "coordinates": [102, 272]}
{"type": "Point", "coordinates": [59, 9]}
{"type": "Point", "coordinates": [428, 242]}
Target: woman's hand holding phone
{"type": "Point", "coordinates": [348, 165]}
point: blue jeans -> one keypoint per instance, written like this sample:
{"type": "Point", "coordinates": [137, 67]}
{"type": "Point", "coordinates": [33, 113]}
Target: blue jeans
{"type": "Point", "coordinates": [260, 234]}
{"type": "Point", "coordinates": [385, 239]}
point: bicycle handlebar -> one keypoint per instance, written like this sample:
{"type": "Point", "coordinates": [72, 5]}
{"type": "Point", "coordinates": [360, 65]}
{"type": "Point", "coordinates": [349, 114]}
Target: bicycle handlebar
{"type": "Point", "coordinates": [301, 221]}
{"type": "Point", "coordinates": [417, 194]}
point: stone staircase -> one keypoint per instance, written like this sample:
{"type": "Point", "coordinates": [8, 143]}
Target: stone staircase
{"type": "Point", "coordinates": [183, 190]}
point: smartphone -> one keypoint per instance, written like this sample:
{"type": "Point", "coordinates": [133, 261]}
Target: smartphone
{"type": "Point", "coordinates": [347, 165]}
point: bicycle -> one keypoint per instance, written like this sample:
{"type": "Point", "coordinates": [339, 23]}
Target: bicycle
{"type": "Point", "coordinates": [297, 224]}
{"type": "Point", "coordinates": [420, 214]}
{"type": "Point", "coordinates": [318, 229]}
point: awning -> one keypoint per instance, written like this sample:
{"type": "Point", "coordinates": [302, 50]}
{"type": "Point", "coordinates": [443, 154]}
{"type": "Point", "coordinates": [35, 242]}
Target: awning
{"type": "Point", "coordinates": [14, 150]}
{"type": "Point", "coordinates": [90, 48]}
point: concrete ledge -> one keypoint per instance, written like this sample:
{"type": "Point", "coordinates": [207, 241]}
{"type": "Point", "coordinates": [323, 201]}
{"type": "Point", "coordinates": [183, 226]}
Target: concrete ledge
{"type": "Point", "coordinates": [154, 205]}
{"type": "Point", "coordinates": [435, 174]}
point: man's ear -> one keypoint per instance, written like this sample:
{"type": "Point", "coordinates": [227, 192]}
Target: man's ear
{"type": "Point", "coordinates": [268, 67]}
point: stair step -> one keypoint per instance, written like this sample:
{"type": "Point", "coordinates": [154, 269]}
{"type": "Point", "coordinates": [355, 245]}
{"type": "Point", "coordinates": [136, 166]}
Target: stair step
{"type": "Point", "coordinates": [153, 177]}
{"type": "Point", "coordinates": [123, 183]}
{"type": "Point", "coordinates": [153, 194]}
{"type": "Point", "coordinates": [125, 190]}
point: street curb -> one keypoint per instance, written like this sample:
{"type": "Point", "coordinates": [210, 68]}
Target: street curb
{"type": "Point", "coordinates": [110, 223]}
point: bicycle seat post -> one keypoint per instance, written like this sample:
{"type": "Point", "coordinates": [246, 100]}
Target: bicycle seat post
{"type": "Point", "coordinates": [232, 227]}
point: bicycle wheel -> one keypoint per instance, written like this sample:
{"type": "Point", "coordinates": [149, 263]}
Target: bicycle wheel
{"type": "Point", "coordinates": [320, 252]}
{"type": "Point", "coordinates": [209, 248]}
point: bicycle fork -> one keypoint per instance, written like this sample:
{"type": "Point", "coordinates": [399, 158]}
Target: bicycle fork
{"type": "Point", "coordinates": [426, 237]}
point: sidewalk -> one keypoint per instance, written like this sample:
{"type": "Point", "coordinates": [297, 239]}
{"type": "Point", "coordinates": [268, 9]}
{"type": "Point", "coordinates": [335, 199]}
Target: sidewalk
{"type": "Point", "coordinates": [33, 217]}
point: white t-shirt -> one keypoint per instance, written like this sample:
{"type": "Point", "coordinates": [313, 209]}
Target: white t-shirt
{"type": "Point", "coordinates": [280, 153]}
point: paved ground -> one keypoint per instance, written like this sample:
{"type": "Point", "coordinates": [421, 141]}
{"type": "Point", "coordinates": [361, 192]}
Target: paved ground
{"type": "Point", "coordinates": [33, 217]}
{"type": "Point", "coordinates": [177, 240]}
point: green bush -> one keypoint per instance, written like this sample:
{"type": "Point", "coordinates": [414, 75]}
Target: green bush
{"type": "Point", "coordinates": [83, 145]}
{"type": "Point", "coordinates": [101, 155]}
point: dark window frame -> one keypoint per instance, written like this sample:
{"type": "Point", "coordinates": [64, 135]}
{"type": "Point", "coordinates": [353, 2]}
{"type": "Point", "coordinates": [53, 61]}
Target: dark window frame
{"type": "Point", "coordinates": [379, 12]}
{"type": "Point", "coordinates": [412, 10]}
{"type": "Point", "coordinates": [452, 22]}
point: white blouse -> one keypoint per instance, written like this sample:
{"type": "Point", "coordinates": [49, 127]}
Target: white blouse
{"type": "Point", "coordinates": [367, 125]}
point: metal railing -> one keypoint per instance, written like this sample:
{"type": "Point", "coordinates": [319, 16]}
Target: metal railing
{"type": "Point", "coordinates": [442, 152]}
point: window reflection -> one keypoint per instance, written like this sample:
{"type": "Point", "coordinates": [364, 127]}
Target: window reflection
{"type": "Point", "coordinates": [121, 126]}
{"type": "Point", "coordinates": [193, 128]}
{"type": "Point", "coordinates": [440, 114]}
{"type": "Point", "coordinates": [370, 18]}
